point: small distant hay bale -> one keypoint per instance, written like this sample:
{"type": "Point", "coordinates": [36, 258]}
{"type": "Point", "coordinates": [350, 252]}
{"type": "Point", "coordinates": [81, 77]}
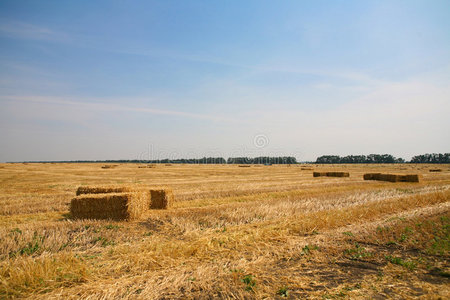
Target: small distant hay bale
{"type": "Point", "coordinates": [411, 178]}
{"type": "Point", "coordinates": [338, 174]}
{"type": "Point", "coordinates": [435, 170]}
{"type": "Point", "coordinates": [244, 166]}
{"type": "Point", "coordinates": [103, 189]}
{"type": "Point", "coordinates": [168, 165]}
{"type": "Point", "coordinates": [392, 177]}
{"type": "Point", "coordinates": [319, 174]}
{"type": "Point", "coordinates": [115, 206]}
{"type": "Point", "coordinates": [388, 177]}
{"type": "Point", "coordinates": [146, 166]}
{"type": "Point", "coordinates": [306, 169]}
{"type": "Point", "coordinates": [109, 166]}
{"type": "Point", "coordinates": [371, 176]}
{"type": "Point", "coordinates": [331, 174]}
{"type": "Point", "coordinates": [161, 199]}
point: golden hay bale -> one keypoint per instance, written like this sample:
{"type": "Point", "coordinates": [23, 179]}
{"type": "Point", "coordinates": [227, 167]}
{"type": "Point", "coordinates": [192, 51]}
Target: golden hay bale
{"type": "Point", "coordinates": [338, 174]}
{"type": "Point", "coordinates": [411, 178]}
{"type": "Point", "coordinates": [435, 170]}
{"type": "Point", "coordinates": [103, 189]}
{"type": "Point", "coordinates": [161, 199]}
{"type": "Point", "coordinates": [109, 166]}
{"type": "Point", "coordinates": [371, 176]}
{"type": "Point", "coordinates": [244, 166]}
{"type": "Point", "coordinates": [392, 177]}
{"type": "Point", "coordinates": [306, 169]}
{"type": "Point", "coordinates": [388, 177]}
{"type": "Point", "coordinates": [168, 164]}
{"type": "Point", "coordinates": [319, 174]}
{"type": "Point", "coordinates": [116, 206]}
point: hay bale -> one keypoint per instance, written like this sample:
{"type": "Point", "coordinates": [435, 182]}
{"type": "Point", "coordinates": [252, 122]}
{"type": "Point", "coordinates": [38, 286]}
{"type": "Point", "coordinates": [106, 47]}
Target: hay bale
{"type": "Point", "coordinates": [103, 189]}
{"type": "Point", "coordinates": [244, 166]}
{"type": "Point", "coordinates": [161, 199]}
{"type": "Point", "coordinates": [109, 166]}
{"type": "Point", "coordinates": [306, 169]}
{"type": "Point", "coordinates": [319, 174]}
{"type": "Point", "coordinates": [338, 174]}
{"type": "Point", "coordinates": [388, 177]}
{"type": "Point", "coordinates": [392, 177]}
{"type": "Point", "coordinates": [116, 206]}
{"type": "Point", "coordinates": [435, 170]}
{"type": "Point", "coordinates": [412, 178]}
{"type": "Point", "coordinates": [371, 176]}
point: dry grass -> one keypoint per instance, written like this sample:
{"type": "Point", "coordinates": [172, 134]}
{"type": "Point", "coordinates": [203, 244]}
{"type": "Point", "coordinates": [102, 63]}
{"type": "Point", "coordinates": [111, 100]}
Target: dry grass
{"type": "Point", "coordinates": [231, 232]}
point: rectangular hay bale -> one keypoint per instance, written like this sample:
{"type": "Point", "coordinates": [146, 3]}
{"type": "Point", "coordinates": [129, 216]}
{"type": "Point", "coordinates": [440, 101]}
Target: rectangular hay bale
{"type": "Point", "coordinates": [161, 199]}
{"type": "Point", "coordinates": [389, 177]}
{"type": "Point", "coordinates": [319, 174]}
{"type": "Point", "coordinates": [103, 189]}
{"type": "Point", "coordinates": [412, 178]}
{"type": "Point", "coordinates": [392, 177]}
{"type": "Point", "coordinates": [114, 206]}
{"type": "Point", "coordinates": [371, 176]}
{"type": "Point", "coordinates": [338, 174]}
{"type": "Point", "coordinates": [109, 166]}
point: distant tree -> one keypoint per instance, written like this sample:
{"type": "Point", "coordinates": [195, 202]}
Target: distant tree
{"type": "Point", "coordinates": [359, 159]}
{"type": "Point", "coordinates": [434, 158]}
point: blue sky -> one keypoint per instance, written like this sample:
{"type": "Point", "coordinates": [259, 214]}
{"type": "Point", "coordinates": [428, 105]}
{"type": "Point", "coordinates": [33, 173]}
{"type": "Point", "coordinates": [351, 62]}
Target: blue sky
{"type": "Point", "coordinates": [158, 79]}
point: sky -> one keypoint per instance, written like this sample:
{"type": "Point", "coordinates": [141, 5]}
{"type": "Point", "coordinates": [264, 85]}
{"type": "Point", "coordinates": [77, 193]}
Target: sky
{"type": "Point", "coordinates": [94, 80]}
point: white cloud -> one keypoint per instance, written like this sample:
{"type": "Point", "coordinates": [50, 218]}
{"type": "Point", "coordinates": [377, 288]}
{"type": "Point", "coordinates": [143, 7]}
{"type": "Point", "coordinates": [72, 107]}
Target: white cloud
{"type": "Point", "coordinates": [94, 105]}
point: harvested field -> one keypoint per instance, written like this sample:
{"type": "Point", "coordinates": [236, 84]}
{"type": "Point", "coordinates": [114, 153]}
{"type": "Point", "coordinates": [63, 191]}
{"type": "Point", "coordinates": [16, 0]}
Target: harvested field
{"type": "Point", "coordinates": [246, 233]}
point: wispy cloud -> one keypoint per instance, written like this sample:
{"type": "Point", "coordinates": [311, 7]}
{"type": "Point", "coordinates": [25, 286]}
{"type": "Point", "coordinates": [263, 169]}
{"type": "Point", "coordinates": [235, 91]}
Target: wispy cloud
{"type": "Point", "coordinates": [96, 106]}
{"type": "Point", "coordinates": [21, 30]}
{"type": "Point", "coordinates": [326, 73]}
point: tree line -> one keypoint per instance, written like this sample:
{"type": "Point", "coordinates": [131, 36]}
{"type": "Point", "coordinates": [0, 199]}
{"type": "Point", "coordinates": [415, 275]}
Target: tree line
{"type": "Point", "coordinates": [359, 159]}
{"type": "Point", "coordinates": [433, 158]}
{"type": "Point", "coordinates": [204, 160]}
{"type": "Point", "coordinates": [265, 160]}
